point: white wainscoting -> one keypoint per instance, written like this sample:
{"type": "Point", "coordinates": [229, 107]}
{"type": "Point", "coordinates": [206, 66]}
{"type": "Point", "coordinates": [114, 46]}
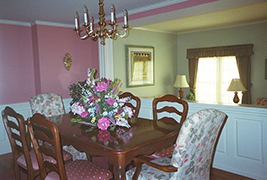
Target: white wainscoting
{"type": "Point", "coordinates": [242, 148]}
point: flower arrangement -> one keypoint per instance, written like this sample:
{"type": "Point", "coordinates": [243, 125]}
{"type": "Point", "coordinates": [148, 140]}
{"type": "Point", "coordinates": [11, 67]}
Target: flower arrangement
{"type": "Point", "coordinates": [97, 101]}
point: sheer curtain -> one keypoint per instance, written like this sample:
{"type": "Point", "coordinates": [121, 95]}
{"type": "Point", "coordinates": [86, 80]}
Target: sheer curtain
{"type": "Point", "coordinates": [243, 57]}
{"type": "Point", "coordinates": [213, 79]}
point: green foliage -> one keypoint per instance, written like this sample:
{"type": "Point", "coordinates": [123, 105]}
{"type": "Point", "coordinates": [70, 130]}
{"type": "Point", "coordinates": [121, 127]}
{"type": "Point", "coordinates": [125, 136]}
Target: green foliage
{"type": "Point", "coordinates": [190, 96]}
{"type": "Point", "coordinates": [76, 91]}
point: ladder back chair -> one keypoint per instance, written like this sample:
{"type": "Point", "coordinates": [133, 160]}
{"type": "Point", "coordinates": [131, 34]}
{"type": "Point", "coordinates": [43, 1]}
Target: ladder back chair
{"type": "Point", "coordinates": [47, 131]}
{"type": "Point", "coordinates": [168, 107]}
{"type": "Point", "coordinates": [24, 158]}
{"type": "Point", "coordinates": [135, 105]}
{"type": "Point", "coordinates": [193, 154]}
{"type": "Point", "coordinates": [51, 104]}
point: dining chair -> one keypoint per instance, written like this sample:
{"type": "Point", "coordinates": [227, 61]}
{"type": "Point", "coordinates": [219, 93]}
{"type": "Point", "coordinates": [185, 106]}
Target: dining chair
{"type": "Point", "coordinates": [42, 129]}
{"type": "Point", "coordinates": [193, 154]}
{"type": "Point", "coordinates": [48, 104]}
{"type": "Point", "coordinates": [135, 105]}
{"type": "Point", "coordinates": [23, 155]}
{"type": "Point", "coordinates": [170, 108]}
{"type": "Point", "coordinates": [51, 104]}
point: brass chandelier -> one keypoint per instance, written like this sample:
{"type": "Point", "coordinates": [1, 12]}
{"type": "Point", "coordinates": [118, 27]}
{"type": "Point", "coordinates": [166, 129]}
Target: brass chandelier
{"type": "Point", "coordinates": [102, 32]}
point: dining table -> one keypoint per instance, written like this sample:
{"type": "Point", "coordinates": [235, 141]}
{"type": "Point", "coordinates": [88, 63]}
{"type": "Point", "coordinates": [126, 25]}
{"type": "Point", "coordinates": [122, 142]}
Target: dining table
{"type": "Point", "coordinates": [121, 145]}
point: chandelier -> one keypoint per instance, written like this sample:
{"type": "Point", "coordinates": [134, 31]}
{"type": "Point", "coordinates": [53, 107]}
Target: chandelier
{"type": "Point", "coordinates": [102, 32]}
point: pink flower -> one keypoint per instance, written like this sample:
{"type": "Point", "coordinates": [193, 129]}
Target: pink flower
{"type": "Point", "coordinates": [103, 123]}
{"type": "Point", "coordinates": [84, 114]}
{"type": "Point", "coordinates": [102, 86]}
{"type": "Point", "coordinates": [111, 101]}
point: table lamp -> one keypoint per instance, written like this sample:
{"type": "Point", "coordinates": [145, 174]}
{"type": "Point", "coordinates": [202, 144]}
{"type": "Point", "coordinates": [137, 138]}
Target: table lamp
{"type": "Point", "coordinates": [236, 85]}
{"type": "Point", "coordinates": [181, 82]}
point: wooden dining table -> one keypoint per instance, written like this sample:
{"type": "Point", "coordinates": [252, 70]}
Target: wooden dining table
{"type": "Point", "coordinates": [121, 145]}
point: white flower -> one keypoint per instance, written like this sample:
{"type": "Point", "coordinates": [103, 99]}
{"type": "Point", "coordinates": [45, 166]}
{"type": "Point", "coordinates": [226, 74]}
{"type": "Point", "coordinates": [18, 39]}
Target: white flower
{"type": "Point", "coordinates": [122, 122]}
{"type": "Point", "coordinates": [77, 109]}
{"type": "Point", "coordinates": [105, 113]}
{"type": "Point", "coordinates": [115, 104]}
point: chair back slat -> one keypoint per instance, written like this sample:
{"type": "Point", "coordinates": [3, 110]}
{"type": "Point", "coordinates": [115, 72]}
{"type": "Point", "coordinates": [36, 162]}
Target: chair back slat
{"type": "Point", "coordinates": [162, 109]}
{"type": "Point", "coordinates": [16, 137]}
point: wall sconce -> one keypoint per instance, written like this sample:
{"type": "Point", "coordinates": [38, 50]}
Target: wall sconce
{"type": "Point", "coordinates": [181, 82]}
{"type": "Point", "coordinates": [236, 85]}
{"type": "Point", "coordinates": [67, 61]}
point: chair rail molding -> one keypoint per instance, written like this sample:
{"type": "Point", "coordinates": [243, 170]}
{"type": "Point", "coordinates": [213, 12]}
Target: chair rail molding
{"type": "Point", "coordinates": [242, 148]}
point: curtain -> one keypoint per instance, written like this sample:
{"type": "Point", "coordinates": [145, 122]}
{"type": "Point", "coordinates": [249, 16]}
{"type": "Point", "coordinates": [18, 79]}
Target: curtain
{"type": "Point", "coordinates": [243, 57]}
{"type": "Point", "coordinates": [244, 68]}
{"type": "Point", "coordinates": [193, 66]}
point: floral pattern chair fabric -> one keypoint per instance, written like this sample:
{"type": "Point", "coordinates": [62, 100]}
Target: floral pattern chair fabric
{"type": "Point", "coordinates": [47, 104]}
{"type": "Point", "coordinates": [194, 149]}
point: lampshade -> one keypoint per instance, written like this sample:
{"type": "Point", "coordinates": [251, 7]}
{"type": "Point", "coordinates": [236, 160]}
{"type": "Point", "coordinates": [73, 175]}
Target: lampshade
{"type": "Point", "coordinates": [180, 81]}
{"type": "Point", "coordinates": [236, 85]}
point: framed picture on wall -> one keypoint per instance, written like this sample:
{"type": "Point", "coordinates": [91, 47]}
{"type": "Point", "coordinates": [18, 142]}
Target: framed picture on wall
{"type": "Point", "coordinates": [140, 65]}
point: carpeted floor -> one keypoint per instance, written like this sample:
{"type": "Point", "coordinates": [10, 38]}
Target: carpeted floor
{"type": "Point", "coordinates": [10, 174]}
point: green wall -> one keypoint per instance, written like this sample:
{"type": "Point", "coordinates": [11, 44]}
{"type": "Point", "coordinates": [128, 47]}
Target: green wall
{"type": "Point", "coordinates": [170, 55]}
{"type": "Point", "coordinates": [247, 34]}
{"type": "Point", "coordinates": [165, 61]}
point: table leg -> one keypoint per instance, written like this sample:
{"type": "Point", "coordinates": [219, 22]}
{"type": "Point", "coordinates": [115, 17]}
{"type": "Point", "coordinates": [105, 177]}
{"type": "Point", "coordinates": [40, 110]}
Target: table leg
{"type": "Point", "coordinates": [120, 172]}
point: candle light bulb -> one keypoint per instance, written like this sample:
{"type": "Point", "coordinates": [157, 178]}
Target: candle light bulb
{"type": "Point", "coordinates": [112, 10]}
{"type": "Point", "coordinates": [85, 14]}
{"type": "Point", "coordinates": [92, 23]}
{"type": "Point", "coordinates": [76, 19]}
{"type": "Point", "coordinates": [125, 14]}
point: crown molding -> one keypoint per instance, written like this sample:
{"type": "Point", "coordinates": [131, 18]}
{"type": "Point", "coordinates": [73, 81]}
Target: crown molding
{"type": "Point", "coordinates": [18, 23]}
{"type": "Point", "coordinates": [155, 6]}
{"type": "Point", "coordinates": [46, 23]}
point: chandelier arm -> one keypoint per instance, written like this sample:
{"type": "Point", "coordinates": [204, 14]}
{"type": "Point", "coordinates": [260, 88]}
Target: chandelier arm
{"type": "Point", "coordinates": [78, 33]}
{"type": "Point", "coordinates": [124, 34]}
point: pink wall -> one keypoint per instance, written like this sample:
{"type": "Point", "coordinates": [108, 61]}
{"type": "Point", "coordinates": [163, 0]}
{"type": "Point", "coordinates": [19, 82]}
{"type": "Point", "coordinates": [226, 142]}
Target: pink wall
{"type": "Point", "coordinates": [53, 44]}
{"type": "Point", "coordinates": [16, 64]}
{"type": "Point", "coordinates": [31, 61]}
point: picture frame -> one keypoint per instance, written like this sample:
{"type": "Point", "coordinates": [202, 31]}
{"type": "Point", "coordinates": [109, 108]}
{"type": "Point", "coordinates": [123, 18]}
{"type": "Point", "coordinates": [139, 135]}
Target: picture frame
{"type": "Point", "coordinates": [265, 69]}
{"type": "Point", "coordinates": [140, 66]}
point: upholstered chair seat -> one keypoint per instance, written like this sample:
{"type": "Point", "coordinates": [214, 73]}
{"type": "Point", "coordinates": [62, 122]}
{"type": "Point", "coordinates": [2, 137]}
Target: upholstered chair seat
{"type": "Point", "coordinates": [67, 157]}
{"type": "Point", "coordinates": [166, 152]}
{"type": "Point", "coordinates": [82, 170]}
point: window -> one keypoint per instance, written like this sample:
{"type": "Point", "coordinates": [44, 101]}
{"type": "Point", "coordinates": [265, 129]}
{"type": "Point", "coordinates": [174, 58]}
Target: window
{"type": "Point", "coordinates": [214, 75]}
{"type": "Point", "coordinates": [242, 53]}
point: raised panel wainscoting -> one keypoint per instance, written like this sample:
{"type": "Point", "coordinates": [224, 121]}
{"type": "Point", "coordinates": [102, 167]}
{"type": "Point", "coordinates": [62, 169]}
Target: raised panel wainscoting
{"type": "Point", "coordinates": [242, 147]}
